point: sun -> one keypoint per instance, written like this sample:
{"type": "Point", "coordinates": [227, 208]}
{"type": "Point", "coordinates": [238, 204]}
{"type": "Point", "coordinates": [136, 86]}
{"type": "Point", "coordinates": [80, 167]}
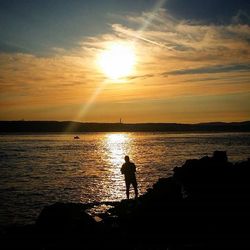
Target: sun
{"type": "Point", "coordinates": [117, 61]}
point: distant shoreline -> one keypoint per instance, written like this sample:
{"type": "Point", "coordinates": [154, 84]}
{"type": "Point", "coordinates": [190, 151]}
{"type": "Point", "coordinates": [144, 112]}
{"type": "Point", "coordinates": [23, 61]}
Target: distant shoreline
{"type": "Point", "coordinates": [73, 133]}
{"type": "Point", "coordinates": [78, 127]}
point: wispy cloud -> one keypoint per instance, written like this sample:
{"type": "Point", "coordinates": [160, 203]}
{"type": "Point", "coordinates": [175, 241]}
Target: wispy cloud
{"type": "Point", "coordinates": [173, 57]}
{"type": "Point", "coordinates": [211, 69]}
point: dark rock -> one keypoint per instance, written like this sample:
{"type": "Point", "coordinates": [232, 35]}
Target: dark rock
{"type": "Point", "coordinates": [220, 156]}
{"type": "Point", "coordinates": [207, 177]}
{"type": "Point", "coordinates": [68, 217]}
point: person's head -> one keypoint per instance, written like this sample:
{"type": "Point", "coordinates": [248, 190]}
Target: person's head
{"type": "Point", "coordinates": [126, 158]}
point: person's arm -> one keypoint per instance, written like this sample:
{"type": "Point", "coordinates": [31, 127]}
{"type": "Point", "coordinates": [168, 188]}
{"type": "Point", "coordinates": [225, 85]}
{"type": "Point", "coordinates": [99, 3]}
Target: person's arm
{"type": "Point", "coordinates": [122, 169]}
{"type": "Point", "coordinates": [134, 168]}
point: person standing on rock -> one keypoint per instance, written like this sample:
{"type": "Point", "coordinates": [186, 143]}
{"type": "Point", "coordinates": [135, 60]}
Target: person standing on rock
{"type": "Point", "coordinates": [129, 169]}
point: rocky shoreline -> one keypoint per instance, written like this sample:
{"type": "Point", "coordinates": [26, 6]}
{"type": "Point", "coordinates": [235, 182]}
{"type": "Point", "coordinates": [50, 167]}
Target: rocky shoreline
{"type": "Point", "coordinates": [204, 204]}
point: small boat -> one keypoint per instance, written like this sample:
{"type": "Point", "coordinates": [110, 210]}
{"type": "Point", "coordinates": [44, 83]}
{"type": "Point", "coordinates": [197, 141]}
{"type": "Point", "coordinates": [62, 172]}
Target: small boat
{"type": "Point", "coordinates": [76, 137]}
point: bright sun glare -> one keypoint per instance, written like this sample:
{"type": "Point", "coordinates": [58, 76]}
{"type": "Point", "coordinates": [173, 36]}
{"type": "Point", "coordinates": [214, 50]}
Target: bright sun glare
{"type": "Point", "coordinates": [117, 61]}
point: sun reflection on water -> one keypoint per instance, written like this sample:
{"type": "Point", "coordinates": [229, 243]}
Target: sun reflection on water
{"type": "Point", "coordinates": [117, 145]}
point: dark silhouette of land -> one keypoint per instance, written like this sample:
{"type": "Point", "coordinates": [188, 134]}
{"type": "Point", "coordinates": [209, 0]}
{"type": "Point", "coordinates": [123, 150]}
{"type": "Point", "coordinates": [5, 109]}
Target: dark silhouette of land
{"type": "Point", "coordinates": [69, 126]}
{"type": "Point", "coordinates": [205, 204]}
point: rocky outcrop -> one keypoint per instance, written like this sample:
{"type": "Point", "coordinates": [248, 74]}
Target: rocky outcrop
{"type": "Point", "coordinates": [214, 178]}
{"type": "Point", "coordinates": [65, 217]}
{"type": "Point", "coordinates": [204, 204]}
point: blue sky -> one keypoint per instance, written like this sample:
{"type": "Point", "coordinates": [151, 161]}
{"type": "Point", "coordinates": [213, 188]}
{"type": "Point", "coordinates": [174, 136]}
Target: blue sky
{"type": "Point", "coordinates": [36, 26]}
{"type": "Point", "coordinates": [210, 11]}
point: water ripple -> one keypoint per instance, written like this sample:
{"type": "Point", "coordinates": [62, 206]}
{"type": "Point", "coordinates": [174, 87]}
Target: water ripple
{"type": "Point", "coordinates": [37, 170]}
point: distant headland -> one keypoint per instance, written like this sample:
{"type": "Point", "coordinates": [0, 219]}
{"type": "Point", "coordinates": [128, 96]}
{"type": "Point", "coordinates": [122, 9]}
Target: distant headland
{"type": "Point", "coordinates": [70, 126]}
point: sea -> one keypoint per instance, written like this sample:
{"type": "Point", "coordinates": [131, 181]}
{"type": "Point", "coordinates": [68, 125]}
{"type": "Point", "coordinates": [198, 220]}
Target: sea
{"type": "Point", "coordinates": [37, 170]}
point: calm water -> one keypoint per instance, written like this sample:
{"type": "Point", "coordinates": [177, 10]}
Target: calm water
{"type": "Point", "coordinates": [37, 170]}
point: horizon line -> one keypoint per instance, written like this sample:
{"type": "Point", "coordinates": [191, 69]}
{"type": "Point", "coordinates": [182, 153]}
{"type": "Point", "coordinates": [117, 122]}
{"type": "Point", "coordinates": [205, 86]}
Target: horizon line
{"type": "Point", "coordinates": [129, 123]}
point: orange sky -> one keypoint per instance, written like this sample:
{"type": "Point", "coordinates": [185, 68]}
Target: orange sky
{"type": "Point", "coordinates": [184, 72]}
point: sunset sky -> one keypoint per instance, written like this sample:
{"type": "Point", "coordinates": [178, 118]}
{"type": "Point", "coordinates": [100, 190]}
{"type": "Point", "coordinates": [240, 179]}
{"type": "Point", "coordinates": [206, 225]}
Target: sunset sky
{"type": "Point", "coordinates": [184, 61]}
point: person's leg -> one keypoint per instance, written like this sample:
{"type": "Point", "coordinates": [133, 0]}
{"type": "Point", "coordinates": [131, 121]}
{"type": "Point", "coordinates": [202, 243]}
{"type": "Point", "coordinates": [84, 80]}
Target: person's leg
{"type": "Point", "coordinates": [134, 183]}
{"type": "Point", "coordinates": [127, 188]}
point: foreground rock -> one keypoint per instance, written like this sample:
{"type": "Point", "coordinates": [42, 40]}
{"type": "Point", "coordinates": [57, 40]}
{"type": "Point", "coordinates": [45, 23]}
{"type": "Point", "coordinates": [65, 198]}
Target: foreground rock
{"type": "Point", "coordinates": [205, 204]}
{"type": "Point", "coordinates": [67, 218]}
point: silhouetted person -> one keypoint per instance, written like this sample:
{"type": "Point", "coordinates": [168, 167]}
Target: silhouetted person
{"type": "Point", "coordinates": [128, 169]}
